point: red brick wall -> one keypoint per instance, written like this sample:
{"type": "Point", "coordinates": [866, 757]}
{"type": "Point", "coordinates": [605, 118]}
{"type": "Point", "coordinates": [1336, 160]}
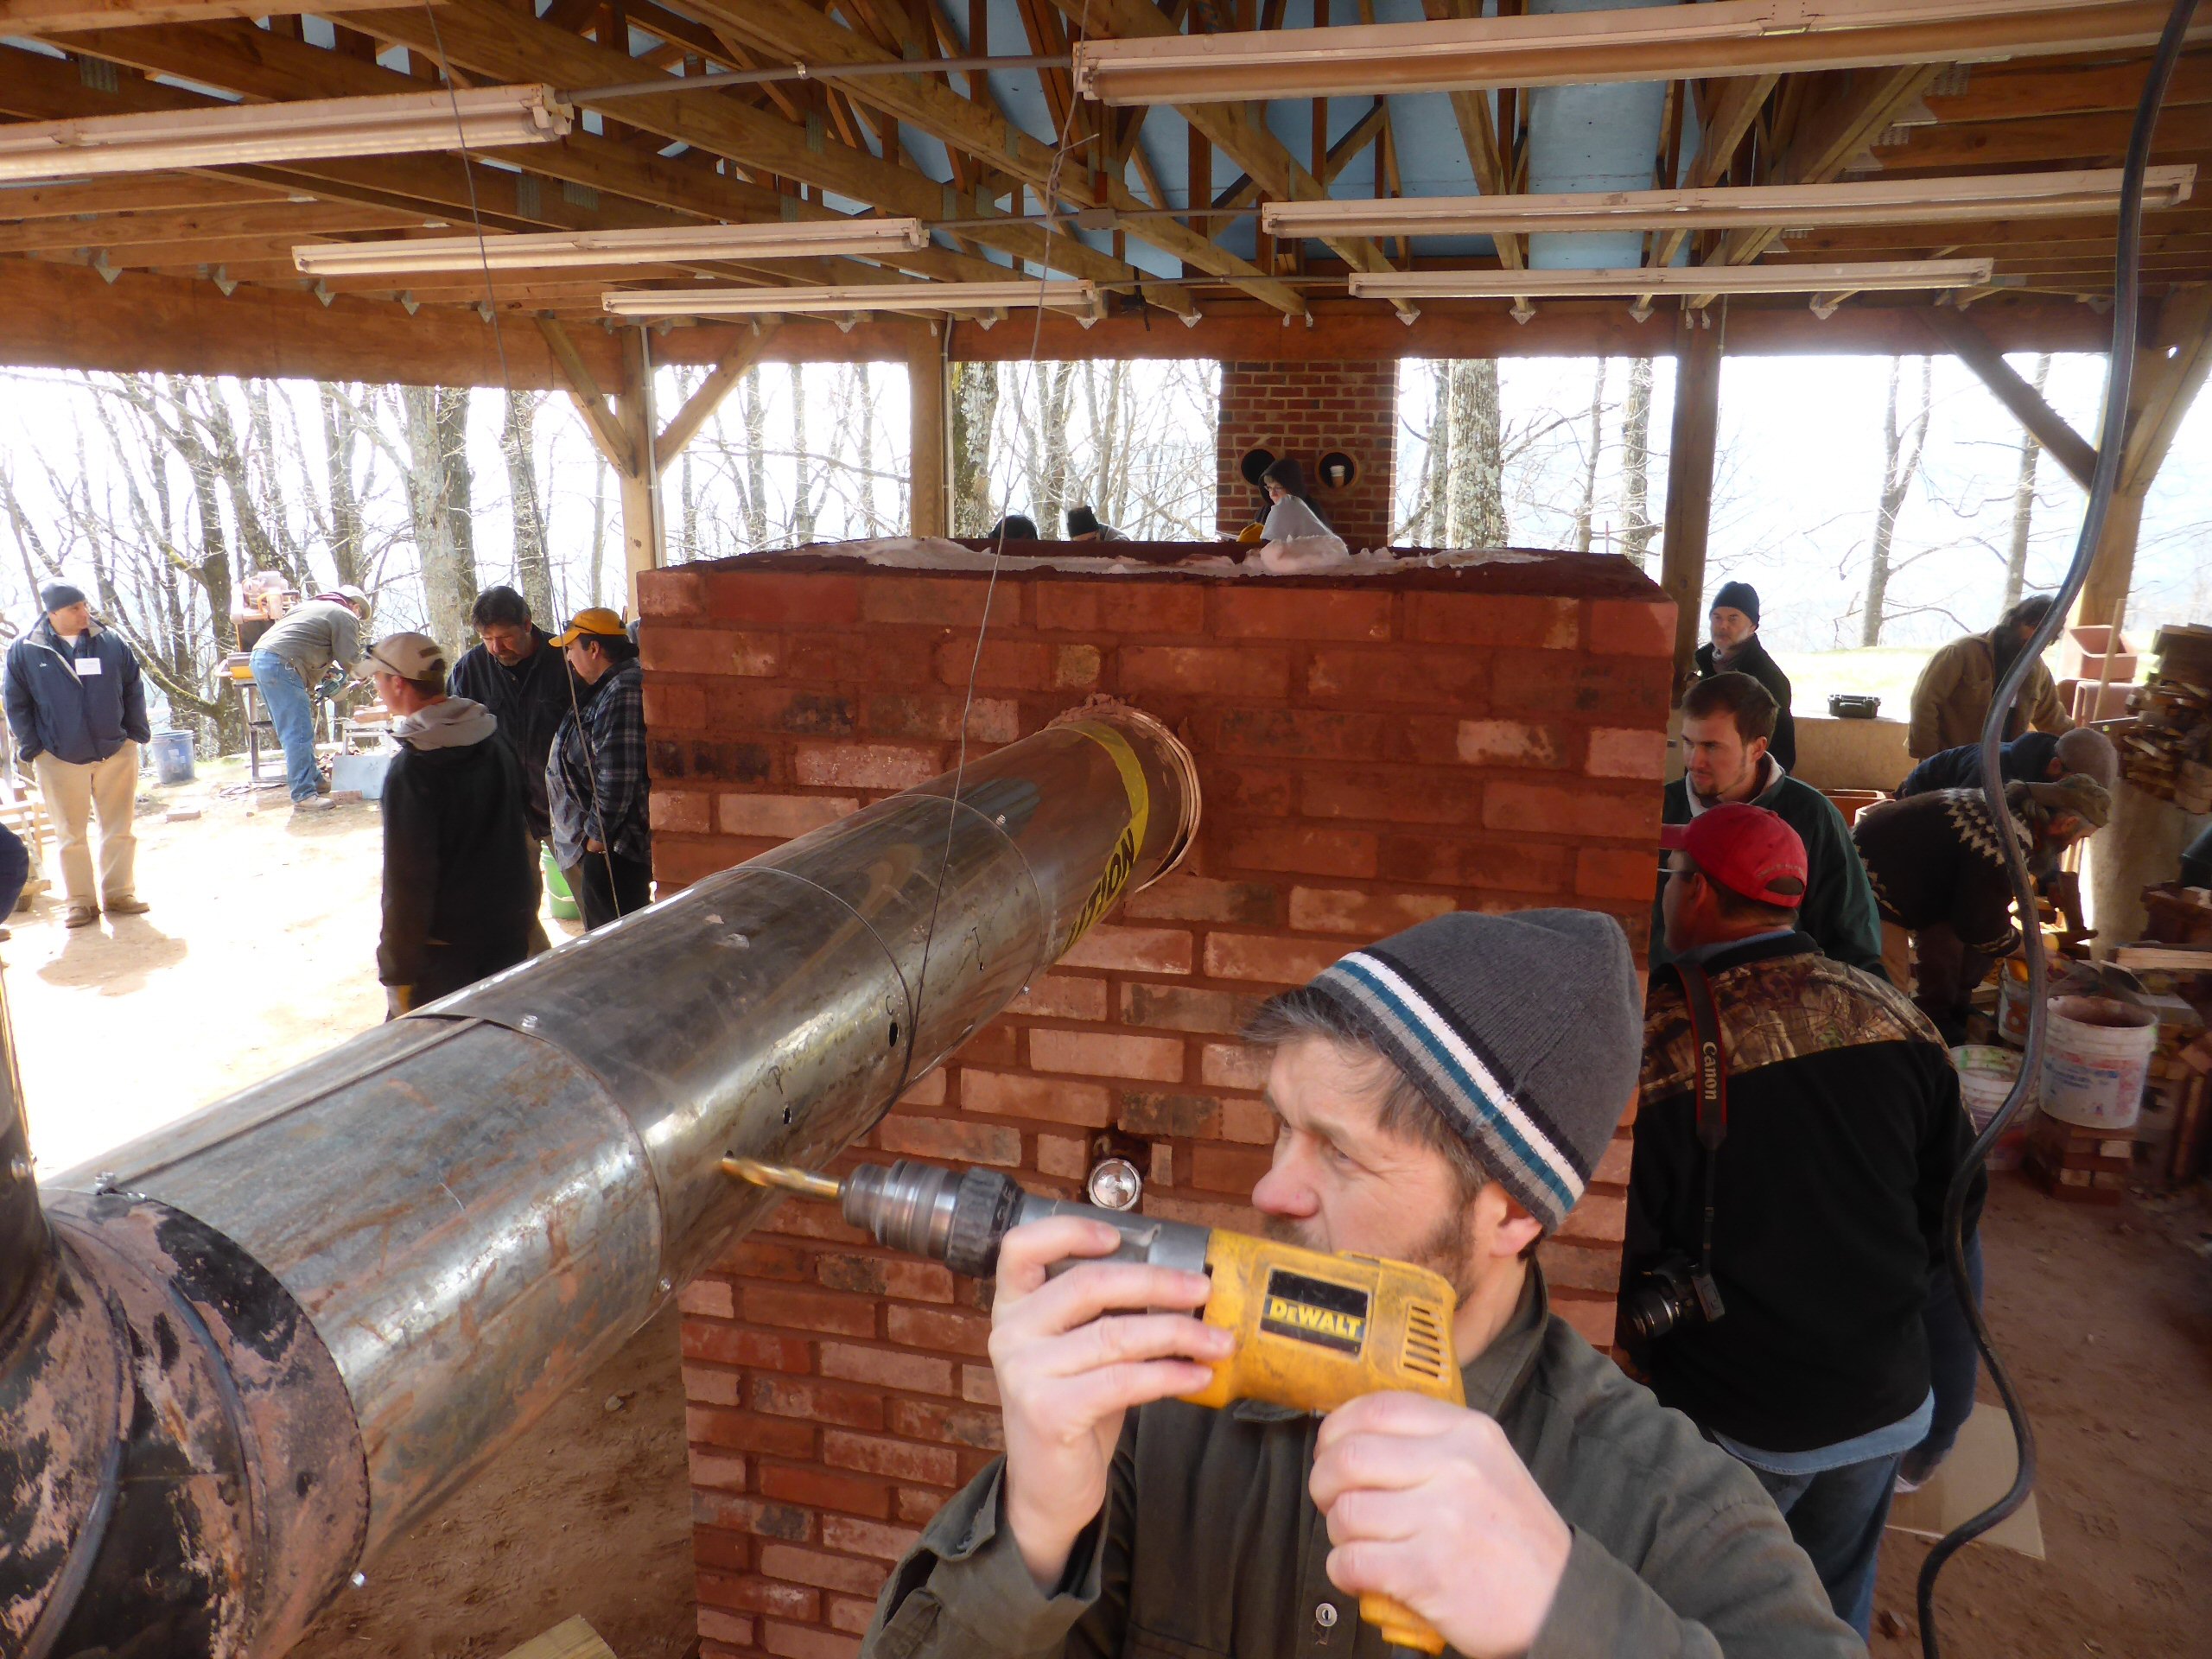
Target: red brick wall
{"type": "Point", "coordinates": [1370, 754]}
{"type": "Point", "coordinates": [1307, 409]}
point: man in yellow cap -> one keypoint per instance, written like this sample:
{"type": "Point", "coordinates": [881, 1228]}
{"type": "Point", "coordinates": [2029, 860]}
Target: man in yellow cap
{"type": "Point", "coordinates": [595, 783]}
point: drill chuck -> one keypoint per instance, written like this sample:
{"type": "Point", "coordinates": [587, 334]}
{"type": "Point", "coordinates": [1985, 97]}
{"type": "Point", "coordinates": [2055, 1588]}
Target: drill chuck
{"type": "Point", "coordinates": [960, 1218]}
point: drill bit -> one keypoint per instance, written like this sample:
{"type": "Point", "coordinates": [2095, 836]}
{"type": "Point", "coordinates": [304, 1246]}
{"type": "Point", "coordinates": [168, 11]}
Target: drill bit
{"type": "Point", "coordinates": [783, 1175]}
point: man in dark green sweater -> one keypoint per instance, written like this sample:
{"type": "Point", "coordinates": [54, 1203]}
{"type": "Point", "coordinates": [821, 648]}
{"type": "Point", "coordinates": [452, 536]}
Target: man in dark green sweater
{"type": "Point", "coordinates": [1727, 721]}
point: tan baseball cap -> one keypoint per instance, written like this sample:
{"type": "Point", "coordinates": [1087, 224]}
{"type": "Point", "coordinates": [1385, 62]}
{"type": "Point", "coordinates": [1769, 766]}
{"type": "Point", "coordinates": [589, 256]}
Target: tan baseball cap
{"type": "Point", "coordinates": [596, 621]}
{"type": "Point", "coordinates": [410, 656]}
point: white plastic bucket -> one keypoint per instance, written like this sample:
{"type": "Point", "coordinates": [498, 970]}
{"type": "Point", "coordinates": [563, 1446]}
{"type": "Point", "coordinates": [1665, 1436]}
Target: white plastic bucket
{"type": "Point", "coordinates": [1986, 1076]}
{"type": "Point", "coordinates": [2096, 1057]}
{"type": "Point", "coordinates": [2011, 1007]}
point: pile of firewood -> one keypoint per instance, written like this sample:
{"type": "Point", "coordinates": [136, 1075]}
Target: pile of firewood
{"type": "Point", "coordinates": [2166, 750]}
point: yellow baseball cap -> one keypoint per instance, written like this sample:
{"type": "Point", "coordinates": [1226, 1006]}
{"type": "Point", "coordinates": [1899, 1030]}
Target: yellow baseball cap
{"type": "Point", "coordinates": [598, 621]}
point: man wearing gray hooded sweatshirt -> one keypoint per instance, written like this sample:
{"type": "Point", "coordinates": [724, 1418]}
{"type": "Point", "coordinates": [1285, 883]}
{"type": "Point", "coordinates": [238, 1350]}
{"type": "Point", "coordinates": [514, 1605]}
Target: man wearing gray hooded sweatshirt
{"type": "Point", "coordinates": [458, 891]}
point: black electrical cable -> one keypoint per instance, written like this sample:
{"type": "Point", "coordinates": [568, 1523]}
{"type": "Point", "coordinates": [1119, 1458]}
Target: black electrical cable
{"type": "Point", "coordinates": [2111, 438]}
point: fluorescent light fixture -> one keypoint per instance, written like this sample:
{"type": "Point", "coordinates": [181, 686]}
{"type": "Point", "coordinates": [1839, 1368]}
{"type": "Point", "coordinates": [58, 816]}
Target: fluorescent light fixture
{"type": "Point", "coordinates": [1880, 201]}
{"type": "Point", "coordinates": [675, 245]}
{"type": "Point", "coordinates": [481, 117]}
{"type": "Point", "coordinates": [883, 296]}
{"type": "Point", "coordinates": [1716, 39]}
{"type": "Point", "coordinates": [1670, 279]}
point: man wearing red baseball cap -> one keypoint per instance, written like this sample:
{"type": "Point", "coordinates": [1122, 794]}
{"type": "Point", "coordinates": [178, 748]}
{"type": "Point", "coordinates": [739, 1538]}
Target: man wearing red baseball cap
{"type": "Point", "coordinates": [1799, 1123]}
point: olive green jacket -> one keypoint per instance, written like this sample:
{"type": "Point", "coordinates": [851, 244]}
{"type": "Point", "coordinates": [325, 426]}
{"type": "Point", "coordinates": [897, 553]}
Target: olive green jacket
{"type": "Point", "coordinates": [1209, 1547]}
{"type": "Point", "coordinates": [1951, 699]}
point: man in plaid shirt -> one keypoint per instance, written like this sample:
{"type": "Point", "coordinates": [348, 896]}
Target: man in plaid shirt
{"type": "Point", "coordinates": [595, 781]}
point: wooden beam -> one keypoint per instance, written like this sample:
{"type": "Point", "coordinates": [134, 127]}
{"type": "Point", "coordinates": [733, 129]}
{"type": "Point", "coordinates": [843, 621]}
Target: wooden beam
{"type": "Point", "coordinates": [2170, 370]}
{"type": "Point", "coordinates": [2167, 379]}
{"type": "Point", "coordinates": [1739, 103]}
{"type": "Point", "coordinates": [699, 407]}
{"type": "Point", "coordinates": [2085, 140]}
{"type": "Point", "coordinates": [2060, 440]}
{"type": "Point", "coordinates": [37, 17]}
{"type": "Point", "coordinates": [1228, 126]}
{"type": "Point", "coordinates": [2038, 90]}
{"type": "Point", "coordinates": [1478, 125]}
{"type": "Point", "coordinates": [485, 36]}
{"type": "Point", "coordinates": [1690, 457]}
{"type": "Point", "coordinates": [606, 427]}
{"type": "Point", "coordinates": [929, 461]}
{"type": "Point", "coordinates": [792, 29]}
{"type": "Point", "coordinates": [1830, 137]}
{"type": "Point", "coordinates": [257, 64]}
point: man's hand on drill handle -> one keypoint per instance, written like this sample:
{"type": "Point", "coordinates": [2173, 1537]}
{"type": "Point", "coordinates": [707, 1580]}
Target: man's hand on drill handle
{"type": "Point", "coordinates": [1428, 1504]}
{"type": "Point", "coordinates": [1072, 1355]}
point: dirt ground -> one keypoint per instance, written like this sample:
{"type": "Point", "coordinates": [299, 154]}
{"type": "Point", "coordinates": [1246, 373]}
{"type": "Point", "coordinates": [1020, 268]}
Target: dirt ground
{"type": "Point", "coordinates": [2104, 1315]}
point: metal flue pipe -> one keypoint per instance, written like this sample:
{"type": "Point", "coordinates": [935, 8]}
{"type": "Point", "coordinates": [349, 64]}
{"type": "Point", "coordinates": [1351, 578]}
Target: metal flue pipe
{"type": "Point", "coordinates": [266, 1341]}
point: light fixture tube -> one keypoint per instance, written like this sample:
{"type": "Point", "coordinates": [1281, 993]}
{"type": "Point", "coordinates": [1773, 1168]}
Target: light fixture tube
{"type": "Point", "coordinates": [1687, 42]}
{"type": "Point", "coordinates": [886, 296]}
{"type": "Point", "coordinates": [682, 244]}
{"type": "Point", "coordinates": [480, 117]}
{"type": "Point", "coordinates": [1878, 201]}
{"type": "Point", "coordinates": [1670, 279]}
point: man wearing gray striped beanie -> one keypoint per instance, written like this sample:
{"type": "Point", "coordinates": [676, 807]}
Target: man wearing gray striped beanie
{"type": "Point", "coordinates": [1444, 1096]}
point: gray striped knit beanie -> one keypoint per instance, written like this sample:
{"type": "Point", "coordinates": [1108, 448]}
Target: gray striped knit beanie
{"type": "Point", "coordinates": [1526, 1031]}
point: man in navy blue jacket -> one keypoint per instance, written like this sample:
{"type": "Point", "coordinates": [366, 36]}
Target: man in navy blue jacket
{"type": "Point", "coordinates": [77, 706]}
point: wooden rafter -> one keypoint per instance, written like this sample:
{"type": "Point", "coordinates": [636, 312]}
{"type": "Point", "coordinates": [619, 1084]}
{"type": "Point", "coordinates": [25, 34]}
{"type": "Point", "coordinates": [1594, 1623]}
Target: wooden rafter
{"type": "Point", "coordinates": [582, 385]}
{"type": "Point", "coordinates": [699, 407]}
{"type": "Point", "coordinates": [2064, 445]}
{"type": "Point", "coordinates": [1478, 125]}
{"type": "Point", "coordinates": [979, 128]}
{"type": "Point", "coordinates": [485, 36]}
{"type": "Point", "coordinates": [1229, 127]}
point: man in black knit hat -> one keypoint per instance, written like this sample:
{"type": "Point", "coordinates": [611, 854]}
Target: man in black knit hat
{"type": "Point", "coordinates": [1735, 649]}
{"type": "Point", "coordinates": [1440, 1097]}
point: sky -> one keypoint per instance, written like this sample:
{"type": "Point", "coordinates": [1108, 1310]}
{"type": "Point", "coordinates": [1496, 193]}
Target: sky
{"type": "Point", "coordinates": [1800, 457]}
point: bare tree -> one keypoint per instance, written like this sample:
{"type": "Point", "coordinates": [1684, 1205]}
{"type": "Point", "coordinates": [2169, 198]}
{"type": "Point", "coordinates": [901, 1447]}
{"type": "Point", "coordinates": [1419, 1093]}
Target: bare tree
{"type": "Point", "coordinates": [1587, 511]}
{"type": "Point", "coordinates": [1902, 450]}
{"type": "Point", "coordinates": [527, 501]}
{"type": "Point", "coordinates": [802, 500]}
{"type": "Point", "coordinates": [438, 505]}
{"type": "Point", "coordinates": [2024, 498]}
{"type": "Point", "coordinates": [975, 412]}
{"type": "Point", "coordinates": [1474, 476]}
{"type": "Point", "coordinates": [1636, 527]}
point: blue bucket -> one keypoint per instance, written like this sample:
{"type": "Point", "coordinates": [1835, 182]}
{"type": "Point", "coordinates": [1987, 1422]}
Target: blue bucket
{"type": "Point", "coordinates": [172, 757]}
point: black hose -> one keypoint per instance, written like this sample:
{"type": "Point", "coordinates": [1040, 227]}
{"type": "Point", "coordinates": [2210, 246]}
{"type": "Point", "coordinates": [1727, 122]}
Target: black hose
{"type": "Point", "coordinates": [2120, 371]}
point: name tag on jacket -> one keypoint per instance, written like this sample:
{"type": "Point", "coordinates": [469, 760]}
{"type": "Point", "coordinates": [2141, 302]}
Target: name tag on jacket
{"type": "Point", "coordinates": [88, 666]}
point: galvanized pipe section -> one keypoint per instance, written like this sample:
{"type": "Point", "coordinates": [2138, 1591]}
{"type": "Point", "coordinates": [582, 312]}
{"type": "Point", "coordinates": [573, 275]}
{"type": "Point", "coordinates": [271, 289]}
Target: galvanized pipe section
{"type": "Point", "coordinates": [471, 1207]}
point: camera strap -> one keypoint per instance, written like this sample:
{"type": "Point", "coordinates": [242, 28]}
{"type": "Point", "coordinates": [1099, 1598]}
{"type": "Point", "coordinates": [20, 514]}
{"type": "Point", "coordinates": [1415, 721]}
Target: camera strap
{"type": "Point", "coordinates": [1711, 1084]}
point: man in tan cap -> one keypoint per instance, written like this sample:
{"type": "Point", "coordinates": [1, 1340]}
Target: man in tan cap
{"type": "Point", "coordinates": [458, 891]}
{"type": "Point", "coordinates": [595, 783]}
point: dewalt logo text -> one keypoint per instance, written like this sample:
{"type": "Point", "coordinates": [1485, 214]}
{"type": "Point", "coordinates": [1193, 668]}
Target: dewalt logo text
{"type": "Point", "coordinates": [1312, 1310]}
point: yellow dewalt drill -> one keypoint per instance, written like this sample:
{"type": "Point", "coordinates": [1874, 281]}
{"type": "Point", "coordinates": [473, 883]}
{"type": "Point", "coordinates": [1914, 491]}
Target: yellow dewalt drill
{"type": "Point", "coordinates": [1313, 1331]}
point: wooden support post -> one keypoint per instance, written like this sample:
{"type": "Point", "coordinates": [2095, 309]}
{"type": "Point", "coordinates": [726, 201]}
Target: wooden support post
{"type": "Point", "coordinates": [930, 499]}
{"type": "Point", "coordinates": [2170, 366]}
{"type": "Point", "coordinates": [1690, 456]}
{"type": "Point", "coordinates": [642, 546]}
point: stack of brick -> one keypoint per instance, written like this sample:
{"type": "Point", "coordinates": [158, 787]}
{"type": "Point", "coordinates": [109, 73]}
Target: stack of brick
{"type": "Point", "coordinates": [1306, 410]}
{"type": "Point", "coordinates": [1372, 751]}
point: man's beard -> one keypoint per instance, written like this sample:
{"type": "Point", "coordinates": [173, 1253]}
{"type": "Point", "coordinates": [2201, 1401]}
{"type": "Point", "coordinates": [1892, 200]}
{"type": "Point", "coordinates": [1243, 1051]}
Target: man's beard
{"type": "Point", "coordinates": [1445, 1251]}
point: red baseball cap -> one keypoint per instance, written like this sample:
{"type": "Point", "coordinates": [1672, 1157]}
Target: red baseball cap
{"type": "Point", "coordinates": [1747, 849]}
